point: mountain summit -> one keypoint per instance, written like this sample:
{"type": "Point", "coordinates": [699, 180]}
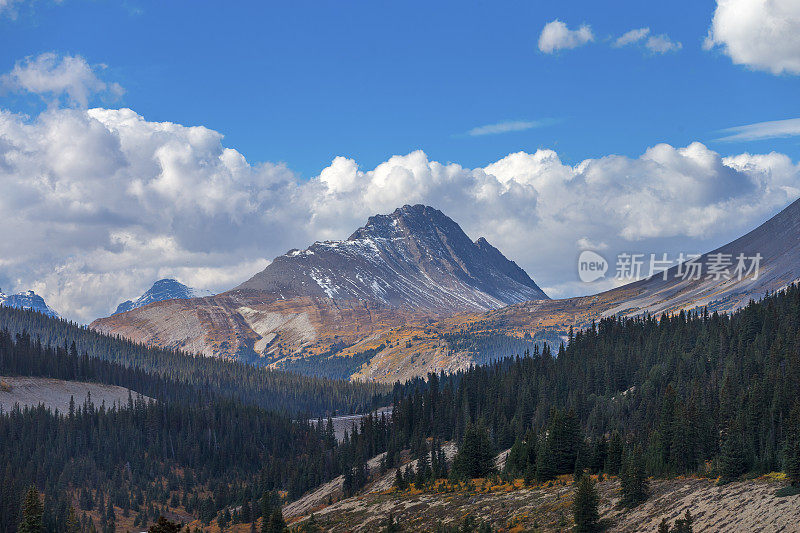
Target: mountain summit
{"type": "Point", "coordinates": [163, 289]}
{"type": "Point", "coordinates": [416, 257]}
{"type": "Point", "coordinates": [411, 266]}
{"type": "Point", "coordinates": [26, 300]}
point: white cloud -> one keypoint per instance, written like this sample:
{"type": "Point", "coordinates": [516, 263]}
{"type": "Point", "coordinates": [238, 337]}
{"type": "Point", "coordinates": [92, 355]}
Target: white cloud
{"type": "Point", "coordinates": [557, 36]}
{"type": "Point", "coordinates": [52, 76]}
{"type": "Point", "coordinates": [658, 44]}
{"type": "Point", "coordinates": [97, 204]}
{"type": "Point", "coordinates": [504, 127]}
{"type": "Point", "coordinates": [632, 36]}
{"type": "Point", "coordinates": [661, 44]}
{"type": "Point", "coordinates": [763, 130]}
{"type": "Point", "coordinates": [761, 34]}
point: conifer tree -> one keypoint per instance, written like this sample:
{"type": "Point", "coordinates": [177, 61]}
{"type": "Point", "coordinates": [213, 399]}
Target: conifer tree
{"type": "Point", "coordinates": [266, 511]}
{"type": "Point", "coordinates": [792, 448]}
{"type": "Point", "coordinates": [475, 457]}
{"type": "Point", "coordinates": [584, 507]}
{"type": "Point", "coordinates": [685, 524]}
{"type": "Point", "coordinates": [276, 521]}
{"type": "Point", "coordinates": [32, 511]}
{"type": "Point", "coordinates": [399, 480]}
{"type": "Point", "coordinates": [614, 457]}
{"type": "Point", "coordinates": [163, 525]}
{"type": "Point", "coordinates": [423, 465]}
{"type": "Point", "coordinates": [545, 462]}
{"type": "Point", "coordinates": [731, 459]}
{"type": "Point", "coordinates": [72, 525]}
{"type": "Point", "coordinates": [633, 480]}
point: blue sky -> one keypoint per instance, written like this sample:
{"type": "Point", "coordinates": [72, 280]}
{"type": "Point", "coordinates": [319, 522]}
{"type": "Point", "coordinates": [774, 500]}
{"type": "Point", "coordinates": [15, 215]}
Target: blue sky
{"type": "Point", "coordinates": [199, 140]}
{"type": "Point", "coordinates": [303, 82]}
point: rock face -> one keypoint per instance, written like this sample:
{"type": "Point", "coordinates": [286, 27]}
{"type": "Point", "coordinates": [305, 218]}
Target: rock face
{"type": "Point", "coordinates": [163, 289]}
{"type": "Point", "coordinates": [26, 300]}
{"type": "Point", "coordinates": [416, 257]}
{"type": "Point", "coordinates": [409, 267]}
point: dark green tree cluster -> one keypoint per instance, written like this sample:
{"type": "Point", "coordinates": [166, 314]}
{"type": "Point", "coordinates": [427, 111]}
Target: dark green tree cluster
{"type": "Point", "coordinates": [286, 392]}
{"type": "Point", "coordinates": [173, 448]}
{"type": "Point", "coordinates": [689, 390]}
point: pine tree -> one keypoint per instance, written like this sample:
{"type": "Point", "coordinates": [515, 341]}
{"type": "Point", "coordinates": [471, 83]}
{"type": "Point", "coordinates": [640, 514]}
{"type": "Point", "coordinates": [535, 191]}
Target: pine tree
{"type": "Point", "coordinates": [266, 511]}
{"type": "Point", "coordinates": [163, 525]}
{"type": "Point", "coordinates": [584, 507]}
{"type": "Point", "coordinates": [423, 466]}
{"type": "Point", "coordinates": [399, 480]}
{"type": "Point", "coordinates": [792, 449]}
{"type": "Point", "coordinates": [545, 462]}
{"type": "Point", "coordinates": [276, 522]}
{"type": "Point", "coordinates": [731, 459]}
{"type": "Point", "coordinates": [72, 524]}
{"type": "Point", "coordinates": [684, 525]}
{"type": "Point", "coordinates": [614, 457]}
{"type": "Point", "coordinates": [633, 480]}
{"type": "Point", "coordinates": [475, 457]}
{"type": "Point", "coordinates": [32, 511]}
{"type": "Point", "coordinates": [663, 527]}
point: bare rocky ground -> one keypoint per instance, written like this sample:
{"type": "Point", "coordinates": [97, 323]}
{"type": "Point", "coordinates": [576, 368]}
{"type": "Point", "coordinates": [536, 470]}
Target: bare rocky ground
{"type": "Point", "coordinates": [56, 393]}
{"type": "Point", "coordinates": [746, 506]}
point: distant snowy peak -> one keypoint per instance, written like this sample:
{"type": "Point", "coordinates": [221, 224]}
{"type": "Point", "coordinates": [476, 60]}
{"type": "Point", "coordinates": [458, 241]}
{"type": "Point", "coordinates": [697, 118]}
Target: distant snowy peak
{"type": "Point", "coordinates": [416, 257]}
{"type": "Point", "coordinates": [163, 289]}
{"type": "Point", "coordinates": [27, 300]}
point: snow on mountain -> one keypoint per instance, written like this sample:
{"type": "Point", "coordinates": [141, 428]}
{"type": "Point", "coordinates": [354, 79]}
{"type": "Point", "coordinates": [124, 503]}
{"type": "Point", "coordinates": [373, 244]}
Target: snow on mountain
{"type": "Point", "coordinates": [163, 289]}
{"type": "Point", "coordinates": [26, 300]}
{"type": "Point", "coordinates": [415, 257]}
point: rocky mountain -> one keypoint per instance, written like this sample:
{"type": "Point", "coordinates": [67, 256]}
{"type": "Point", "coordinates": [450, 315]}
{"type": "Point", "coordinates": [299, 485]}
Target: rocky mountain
{"type": "Point", "coordinates": [163, 289]}
{"type": "Point", "coordinates": [412, 266]}
{"type": "Point", "coordinates": [458, 341]}
{"type": "Point", "coordinates": [375, 306]}
{"type": "Point", "coordinates": [416, 257]}
{"type": "Point", "coordinates": [26, 300]}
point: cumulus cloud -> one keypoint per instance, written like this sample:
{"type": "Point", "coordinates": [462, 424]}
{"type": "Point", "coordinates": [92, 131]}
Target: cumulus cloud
{"type": "Point", "coordinates": [97, 204]}
{"type": "Point", "coordinates": [761, 34]}
{"type": "Point", "coordinates": [557, 36]}
{"type": "Point", "coordinates": [762, 130]}
{"type": "Point", "coordinates": [52, 77]}
{"type": "Point", "coordinates": [657, 44]}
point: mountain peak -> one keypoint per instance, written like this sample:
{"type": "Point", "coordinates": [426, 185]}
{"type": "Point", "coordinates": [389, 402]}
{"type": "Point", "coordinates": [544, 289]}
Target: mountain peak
{"type": "Point", "coordinates": [163, 289]}
{"type": "Point", "coordinates": [26, 300]}
{"type": "Point", "coordinates": [416, 256]}
{"type": "Point", "coordinates": [417, 218]}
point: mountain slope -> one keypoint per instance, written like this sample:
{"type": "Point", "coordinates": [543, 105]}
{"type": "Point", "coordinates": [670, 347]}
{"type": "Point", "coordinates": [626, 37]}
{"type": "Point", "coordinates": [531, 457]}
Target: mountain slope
{"type": "Point", "coordinates": [415, 257]}
{"type": "Point", "coordinates": [163, 289]}
{"type": "Point", "coordinates": [409, 267]}
{"type": "Point", "coordinates": [27, 300]}
{"type": "Point", "coordinates": [777, 241]}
